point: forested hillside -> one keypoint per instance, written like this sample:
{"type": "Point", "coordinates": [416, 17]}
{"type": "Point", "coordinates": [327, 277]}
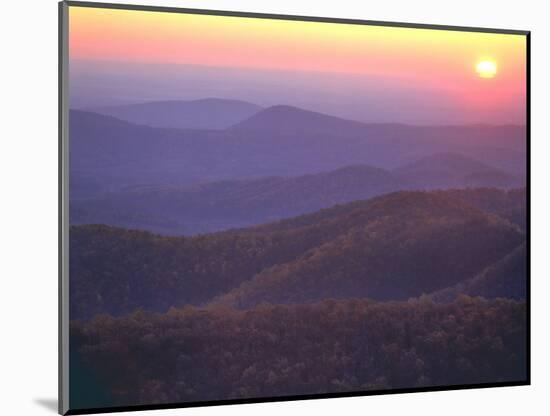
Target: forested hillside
{"type": "Point", "coordinates": [195, 354]}
{"type": "Point", "coordinates": [440, 240]}
{"type": "Point", "coordinates": [511, 204]}
{"type": "Point", "coordinates": [505, 278]}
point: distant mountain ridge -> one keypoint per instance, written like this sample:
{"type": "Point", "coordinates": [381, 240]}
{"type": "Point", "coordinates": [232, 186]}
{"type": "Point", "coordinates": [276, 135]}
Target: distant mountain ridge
{"type": "Point", "coordinates": [222, 205]}
{"type": "Point", "coordinates": [217, 206]}
{"type": "Point", "coordinates": [451, 170]}
{"type": "Point", "coordinates": [288, 119]}
{"type": "Point", "coordinates": [447, 162]}
{"type": "Point", "coordinates": [229, 204]}
{"type": "Point", "coordinates": [208, 113]}
{"type": "Point", "coordinates": [108, 154]}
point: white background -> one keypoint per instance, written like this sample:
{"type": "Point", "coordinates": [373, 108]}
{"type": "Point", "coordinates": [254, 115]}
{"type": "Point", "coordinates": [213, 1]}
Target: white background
{"type": "Point", "coordinates": [28, 205]}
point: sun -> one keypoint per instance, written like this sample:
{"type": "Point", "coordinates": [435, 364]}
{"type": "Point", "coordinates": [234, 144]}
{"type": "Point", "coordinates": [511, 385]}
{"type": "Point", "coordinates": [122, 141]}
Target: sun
{"type": "Point", "coordinates": [486, 68]}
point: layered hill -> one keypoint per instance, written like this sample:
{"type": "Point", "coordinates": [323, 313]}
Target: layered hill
{"type": "Point", "coordinates": [216, 206]}
{"type": "Point", "coordinates": [289, 120]}
{"type": "Point", "coordinates": [391, 247]}
{"type": "Point", "coordinates": [110, 154]}
{"type": "Point", "coordinates": [107, 153]}
{"type": "Point", "coordinates": [510, 204]}
{"type": "Point", "coordinates": [391, 143]}
{"type": "Point", "coordinates": [399, 245]}
{"type": "Point", "coordinates": [452, 170]}
{"type": "Point", "coordinates": [506, 278]}
{"type": "Point", "coordinates": [208, 113]}
{"type": "Point", "coordinates": [229, 204]}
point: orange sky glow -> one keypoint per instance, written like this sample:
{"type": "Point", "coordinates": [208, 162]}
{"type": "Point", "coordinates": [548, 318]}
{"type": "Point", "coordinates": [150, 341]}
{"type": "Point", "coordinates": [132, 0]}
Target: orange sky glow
{"type": "Point", "coordinates": [435, 58]}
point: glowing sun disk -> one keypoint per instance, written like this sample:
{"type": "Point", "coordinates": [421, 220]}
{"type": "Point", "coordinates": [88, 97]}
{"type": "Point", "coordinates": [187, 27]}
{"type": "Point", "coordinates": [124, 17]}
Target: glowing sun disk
{"type": "Point", "coordinates": [486, 69]}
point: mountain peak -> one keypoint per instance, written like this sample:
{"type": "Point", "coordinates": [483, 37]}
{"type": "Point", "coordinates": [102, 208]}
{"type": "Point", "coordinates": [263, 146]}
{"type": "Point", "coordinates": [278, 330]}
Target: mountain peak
{"type": "Point", "coordinates": [289, 119]}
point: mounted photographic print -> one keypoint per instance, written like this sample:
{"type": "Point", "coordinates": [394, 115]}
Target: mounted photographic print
{"type": "Point", "coordinates": [263, 207]}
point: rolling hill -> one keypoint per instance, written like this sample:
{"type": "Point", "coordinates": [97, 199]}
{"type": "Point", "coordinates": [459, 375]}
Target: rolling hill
{"type": "Point", "coordinates": [439, 241]}
{"type": "Point", "coordinates": [454, 170]}
{"type": "Point", "coordinates": [113, 154]}
{"type": "Point", "coordinates": [216, 206]}
{"type": "Point", "coordinates": [230, 204]}
{"type": "Point", "coordinates": [506, 278]}
{"type": "Point", "coordinates": [285, 120]}
{"type": "Point", "coordinates": [345, 251]}
{"type": "Point", "coordinates": [390, 144]}
{"type": "Point", "coordinates": [508, 204]}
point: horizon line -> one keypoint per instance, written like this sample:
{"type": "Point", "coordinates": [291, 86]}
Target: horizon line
{"type": "Point", "coordinates": [94, 109]}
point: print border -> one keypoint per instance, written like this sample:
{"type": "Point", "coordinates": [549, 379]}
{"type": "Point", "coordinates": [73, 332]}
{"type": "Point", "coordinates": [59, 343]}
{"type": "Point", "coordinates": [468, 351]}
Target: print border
{"type": "Point", "coordinates": [63, 197]}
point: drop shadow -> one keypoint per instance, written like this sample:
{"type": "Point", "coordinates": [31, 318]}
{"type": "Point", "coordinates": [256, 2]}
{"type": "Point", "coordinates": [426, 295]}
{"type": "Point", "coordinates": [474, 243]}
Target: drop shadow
{"type": "Point", "coordinates": [48, 404]}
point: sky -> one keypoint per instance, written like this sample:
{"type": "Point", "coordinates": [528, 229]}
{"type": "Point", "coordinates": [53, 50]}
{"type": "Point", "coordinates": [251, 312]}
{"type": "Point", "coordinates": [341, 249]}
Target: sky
{"type": "Point", "coordinates": [362, 72]}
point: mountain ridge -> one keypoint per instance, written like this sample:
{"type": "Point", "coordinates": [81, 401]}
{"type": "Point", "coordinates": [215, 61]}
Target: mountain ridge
{"type": "Point", "coordinates": [206, 113]}
{"type": "Point", "coordinates": [109, 155]}
{"type": "Point", "coordinates": [454, 169]}
{"type": "Point", "coordinates": [409, 225]}
{"type": "Point", "coordinates": [219, 205]}
{"type": "Point", "coordinates": [288, 118]}
{"type": "Point", "coordinates": [228, 204]}
{"type": "Point", "coordinates": [116, 271]}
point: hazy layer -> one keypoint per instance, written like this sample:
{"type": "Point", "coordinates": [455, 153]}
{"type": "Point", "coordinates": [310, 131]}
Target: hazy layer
{"type": "Point", "coordinates": [369, 98]}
